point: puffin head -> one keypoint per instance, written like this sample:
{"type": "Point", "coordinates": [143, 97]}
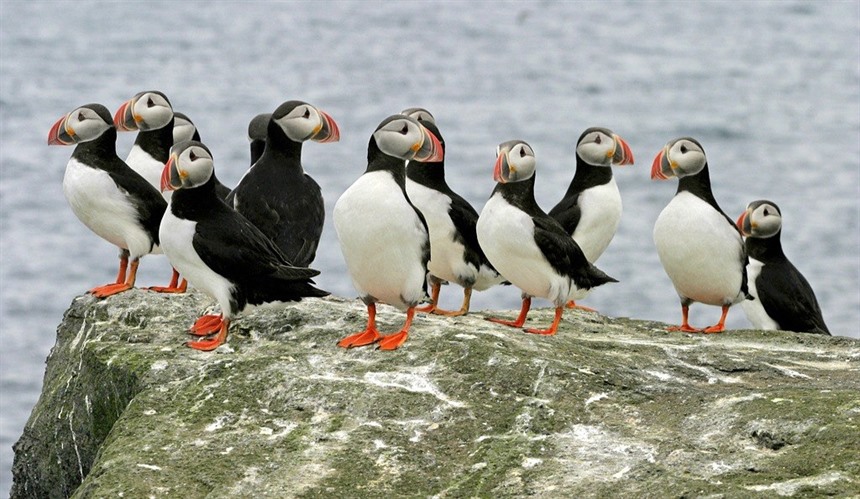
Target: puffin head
{"type": "Point", "coordinates": [762, 219]}
{"type": "Point", "coordinates": [84, 124]}
{"type": "Point", "coordinates": [301, 121]}
{"type": "Point", "coordinates": [190, 165]}
{"type": "Point", "coordinates": [681, 157]}
{"type": "Point", "coordinates": [149, 110]}
{"type": "Point", "coordinates": [406, 138]}
{"type": "Point", "coordinates": [515, 161]}
{"type": "Point", "coordinates": [184, 129]}
{"type": "Point", "coordinates": [427, 120]}
{"type": "Point", "coordinates": [601, 147]}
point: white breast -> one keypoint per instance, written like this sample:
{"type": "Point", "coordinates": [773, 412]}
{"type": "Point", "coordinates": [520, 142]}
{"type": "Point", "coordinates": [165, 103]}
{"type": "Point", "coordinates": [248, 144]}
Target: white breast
{"type": "Point", "coordinates": [506, 234]}
{"type": "Point", "coordinates": [700, 251]}
{"type": "Point", "coordinates": [446, 254]}
{"type": "Point", "coordinates": [381, 238]}
{"type": "Point", "coordinates": [176, 237]}
{"type": "Point", "coordinates": [148, 168]}
{"type": "Point", "coordinates": [601, 214]}
{"type": "Point", "coordinates": [100, 204]}
{"type": "Point", "coordinates": [753, 309]}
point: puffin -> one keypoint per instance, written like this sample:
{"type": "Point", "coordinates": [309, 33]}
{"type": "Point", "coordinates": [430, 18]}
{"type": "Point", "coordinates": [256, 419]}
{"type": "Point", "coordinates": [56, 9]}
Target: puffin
{"type": "Point", "coordinates": [150, 113]}
{"type": "Point", "coordinates": [527, 246]}
{"type": "Point", "coordinates": [383, 237]}
{"type": "Point", "coordinates": [782, 298]}
{"type": "Point", "coordinates": [699, 246]}
{"type": "Point", "coordinates": [455, 255]}
{"type": "Point", "coordinates": [219, 250]}
{"type": "Point", "coordinates": [105, 194]}
{"type": "Point", "coordinates": [590, 210]}
{"type": "Point", "coordinates": [276, 195]}
{"type": "Point", "coordinates": [185, 129]}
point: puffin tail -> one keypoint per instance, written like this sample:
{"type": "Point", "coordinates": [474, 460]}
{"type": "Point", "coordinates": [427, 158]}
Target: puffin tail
{"type": "Point", "coordinates": [594, 277]}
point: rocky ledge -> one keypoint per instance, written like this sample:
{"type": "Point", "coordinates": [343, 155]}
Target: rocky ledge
{"type": "Point", "coordinates": [608, 407]}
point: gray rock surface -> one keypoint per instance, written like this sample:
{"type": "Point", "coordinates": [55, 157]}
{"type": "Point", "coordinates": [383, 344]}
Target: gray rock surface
{"type": "Point", "coordinates": [606, 408]}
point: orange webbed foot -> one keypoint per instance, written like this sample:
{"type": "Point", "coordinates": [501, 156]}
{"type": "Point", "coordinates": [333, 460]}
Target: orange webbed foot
{"type": "Point", "coordinates": [366, 337]}
{"type": "Point", "coordinates": [685, 328]}
{"type": "Point", "coordinates": [211, 343]}
{"type": "Point", "coordinates": [181, 288]}
{"type": "Point", "coordinates": [393, 341]}
{"type": "Point", "coordinates": [206, 325]}
{"type": "Point", "coordinates": [545, 332]}
{"type": "Point", "coordinates": [516, 323]}
{"type": "Point", "coordinates": [718, 328]}
{"type": "Point", "coordinates": [572, 304]}
{"type": "Point", "coordinates": [427, 309]}
{"type": "Point", "coordinates": [110, 289]}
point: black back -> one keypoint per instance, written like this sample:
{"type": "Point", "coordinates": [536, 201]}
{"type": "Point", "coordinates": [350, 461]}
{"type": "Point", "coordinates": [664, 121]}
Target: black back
{"type": "Point", "coordinates": [785, 294]}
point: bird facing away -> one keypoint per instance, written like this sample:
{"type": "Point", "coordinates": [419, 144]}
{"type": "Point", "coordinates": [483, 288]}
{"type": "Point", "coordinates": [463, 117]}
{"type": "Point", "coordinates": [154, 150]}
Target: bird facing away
{"type": "Point", "coordinates": [699, 246]}
{"type": "Point", "coordinates": [222, 253]}
{"type": "Point", "coordinates": [105, 194]}
{"type": "Point", "coordinates": [527, 246]}
{"type": "Point", "coordinates": [781, 297]}
{"type": "Point", "coordinates": [382, 236]}
{"type": "Point", "coordinates": [455, 255]}
{"type": "Point", "coordinates": [590, 210]}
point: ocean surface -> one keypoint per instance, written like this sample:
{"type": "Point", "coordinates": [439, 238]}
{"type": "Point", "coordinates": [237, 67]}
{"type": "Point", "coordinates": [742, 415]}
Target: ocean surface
{"type": "Point", "coordinates": [771, 90]}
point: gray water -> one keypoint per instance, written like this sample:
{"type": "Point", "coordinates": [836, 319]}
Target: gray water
{"type": "Point", "coordinates": [771, 89]}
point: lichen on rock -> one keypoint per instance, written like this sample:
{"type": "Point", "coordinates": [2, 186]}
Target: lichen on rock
{"type": "Point", "coordinates": [608, 407]}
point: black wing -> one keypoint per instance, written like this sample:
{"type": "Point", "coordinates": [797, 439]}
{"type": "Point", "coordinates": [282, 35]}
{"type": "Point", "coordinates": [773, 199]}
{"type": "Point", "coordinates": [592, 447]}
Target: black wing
{"type": "Point", "coordinates": [788, 299]}
{"type": "Point", "coordinates": [565, 255]}
{"type": "Point", "coordinates": [568, 213]}
{"type": "Point", "coordinates": [150, 204]}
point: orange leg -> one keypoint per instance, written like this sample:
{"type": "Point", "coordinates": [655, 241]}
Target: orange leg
{"type": "Point", "coordinates": [123, 264]}
{"type": "Point", "coordinates": [206, 325]}
{"type": "Point", "coordinates": [720, 326]}
{"type": "Point", "coordinates": [685, 325]}
{"type": "Point", "coordinates": [553, 328]}
{"type": "Point", "coordinates": [214, 342]}
{"type": "Point", "coordinates": [370, 334]}
{"type": "Point", "coordinates": [393, 341]}
{"type": "Point", "coordinates": [119, 287]}
{"type": "Point", "coordinates": [572, 304]}
{"type": "Point", "coordinates": [524, 311]}
{"type": "Point", "coordinates": [172, 287]}
{"type": "Point", "coordinates": [434, 298]}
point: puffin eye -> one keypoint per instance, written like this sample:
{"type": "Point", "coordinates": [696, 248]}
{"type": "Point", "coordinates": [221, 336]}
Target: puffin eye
{"type": "Point", "coordinates": [307, 113]}
{"type": "Point", "coordinates": [683, 149]}
{"type": "Point", "coordinates": [404, 130]}
{"type": "Point", "coordinates": [149, 102]}
{"type": "Point", "coordinates": [192, 156]}
{"type": "Point", "coordinates": [522, 152]}
{"type": "Point", "coordinates": [766, 213]}
{"type": "Point", "coordinates": [597, 140]}
{"type": "Point", "coordinates": [81, 116]}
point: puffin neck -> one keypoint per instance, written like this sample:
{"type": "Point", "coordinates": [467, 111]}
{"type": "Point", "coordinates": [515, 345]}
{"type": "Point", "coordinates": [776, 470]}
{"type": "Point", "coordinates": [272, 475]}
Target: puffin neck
{"type": "Point", "coordinates": [95, 151]}
{"type": "Point", "coordinates": [521, 194]}
{"type": "Point", "coordinates": [427, 174]}
{"type": "Point", "coordinates": [700, 186]}
{"type": "Point", "coordinates": [588, 175]}
{"type": "Point", "coordinates": [157, 143]}
{"type": "Point", "coordinates": [765, 249]}
{"type": "Point", "coordinates": [189, 204]}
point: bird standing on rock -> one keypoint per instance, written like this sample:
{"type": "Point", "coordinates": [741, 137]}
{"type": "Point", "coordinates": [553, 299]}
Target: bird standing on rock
{"type": "Point", "coordinates": [382, 235]}
{"type": "Point", "coordinates": [700, 247]}
{"type": "Point", "coordinates": [221, 252]}
{"type": "Point", "coordinates": [455, 255]}
{"type": "Point", "coordinates": [276, 195]}
{"type": "Point", "coordinates": [590, 210]}
{"type": "Point", "coordinates": [527, 246]}
{"type": "Point", "coordinates": [781, 297]}
{"type": "Point", "coordinates": [151, 114]}
{"type": "Point", "coordinates": [105, 194]}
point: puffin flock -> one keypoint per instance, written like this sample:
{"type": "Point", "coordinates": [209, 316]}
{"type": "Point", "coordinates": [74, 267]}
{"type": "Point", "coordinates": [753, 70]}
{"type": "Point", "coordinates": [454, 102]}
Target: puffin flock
{"type": "Point", "coordinates": [401, 228]}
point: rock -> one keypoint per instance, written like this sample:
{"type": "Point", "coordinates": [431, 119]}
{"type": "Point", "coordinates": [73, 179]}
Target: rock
{"type": "Point", "coordinates": [608, 407]}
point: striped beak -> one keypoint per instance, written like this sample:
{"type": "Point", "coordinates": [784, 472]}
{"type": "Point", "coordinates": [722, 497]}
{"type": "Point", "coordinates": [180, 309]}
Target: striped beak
{"type": "Point", "coordinates": [60, 134]}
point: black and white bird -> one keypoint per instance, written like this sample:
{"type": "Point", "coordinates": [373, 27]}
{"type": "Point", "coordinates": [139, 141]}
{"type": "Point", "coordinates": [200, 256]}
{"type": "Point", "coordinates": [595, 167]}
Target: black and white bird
{"type": "Point", "coordinates": [219, 251]}
{"type": "Point", "coordinates": [590, 210]}
{"type": "Point", "coordinates": [455, 255]}
{"type": "Point", "coordinates": [105, 194]}
{"type": "Point", "coordinates": [527, 246]}
{"type": "Point", "coordinates": [276, 195]}
{"type": "Point", "coordinates": [781, 297]}
{"type": "Point", "coordinates": [184, 129]}
{"type": "Point", "coordinates": [382, 235]}
{"type": "Point", "coordinates": [151, 115]}
{"type": "Point", "coordinates": [701, 248]}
